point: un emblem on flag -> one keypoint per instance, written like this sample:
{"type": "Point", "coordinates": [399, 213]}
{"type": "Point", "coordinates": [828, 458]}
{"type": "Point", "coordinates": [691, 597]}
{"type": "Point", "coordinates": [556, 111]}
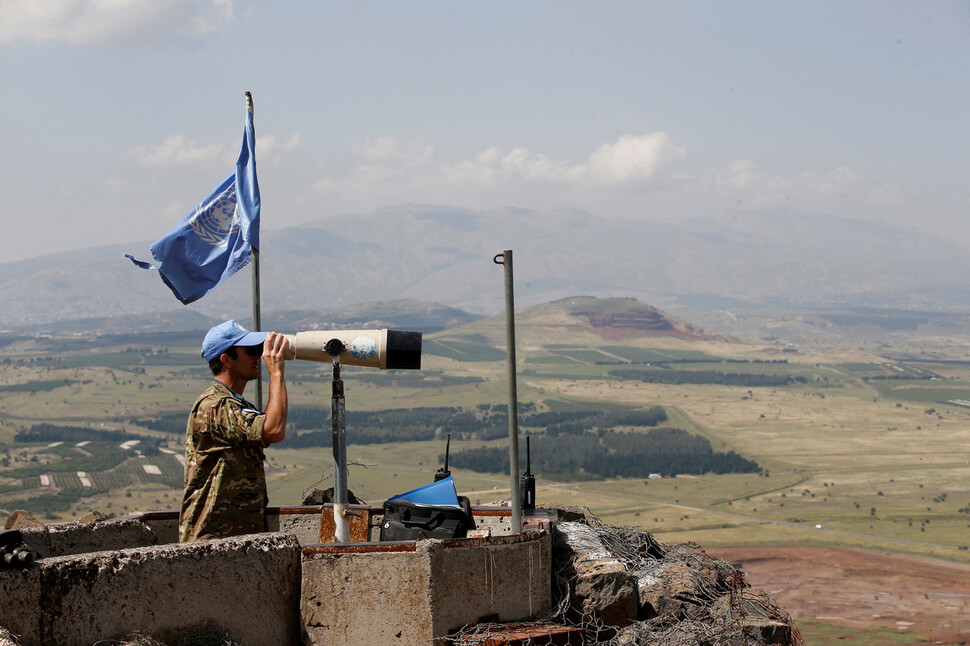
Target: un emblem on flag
{"type": "Point", "coordinates": [216, 220]}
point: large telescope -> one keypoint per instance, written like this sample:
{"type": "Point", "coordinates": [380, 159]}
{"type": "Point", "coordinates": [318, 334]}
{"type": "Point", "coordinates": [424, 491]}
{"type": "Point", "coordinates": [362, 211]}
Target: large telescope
{"type": "Point", "coordinates": [384, 349]}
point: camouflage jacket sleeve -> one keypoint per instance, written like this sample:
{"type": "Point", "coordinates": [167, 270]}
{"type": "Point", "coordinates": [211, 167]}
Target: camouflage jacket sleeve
{"type": "Point", "coordinates": [223, 422]}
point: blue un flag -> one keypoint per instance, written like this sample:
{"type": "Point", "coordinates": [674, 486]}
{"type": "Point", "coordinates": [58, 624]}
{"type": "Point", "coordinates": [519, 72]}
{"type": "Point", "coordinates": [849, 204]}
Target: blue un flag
{"type": "Point", "coordinates": [216, 239]}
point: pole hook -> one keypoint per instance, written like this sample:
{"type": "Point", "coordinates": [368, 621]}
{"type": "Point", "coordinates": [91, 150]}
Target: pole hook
{"type": "Point", "coordinates": [499, 258]}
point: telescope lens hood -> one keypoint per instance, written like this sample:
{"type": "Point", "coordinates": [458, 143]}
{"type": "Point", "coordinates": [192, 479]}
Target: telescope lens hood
{"type": "Point", "coordinates": [403, 350]}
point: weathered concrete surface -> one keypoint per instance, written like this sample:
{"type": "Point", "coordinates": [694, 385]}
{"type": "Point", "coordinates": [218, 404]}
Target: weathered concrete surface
{"type": "Point", "coordinates": [491, 580]}
{"type": "Point", "coordinates": [20, 594]}
{"type": "Point", "coordinates": [248, 586]}
{"type": "Point", "coordinates": [414, 593]}
{"type": "Point", "coordinates": [302, 522]}
{"type": "Point", "coordinates": [77, 538]}
{"type": "Point", "coordinates": [165, 524]}
{"type": "Point", "coordinates": [495, 519]}
{"type": "Point", "coordinates": [366, 598]}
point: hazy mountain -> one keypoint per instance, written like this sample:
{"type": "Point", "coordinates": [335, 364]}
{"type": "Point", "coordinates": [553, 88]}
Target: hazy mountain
{"type": "Point", "coordinates": [398, 314]}
{"type": "Point", "coordinates": [445, 255]}
{"type": "Point", "coordinates": [401, 314]}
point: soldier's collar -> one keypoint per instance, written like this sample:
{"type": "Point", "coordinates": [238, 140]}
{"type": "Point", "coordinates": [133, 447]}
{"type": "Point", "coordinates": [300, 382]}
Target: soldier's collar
{"type": "Point", "coordinates": [234, 393]}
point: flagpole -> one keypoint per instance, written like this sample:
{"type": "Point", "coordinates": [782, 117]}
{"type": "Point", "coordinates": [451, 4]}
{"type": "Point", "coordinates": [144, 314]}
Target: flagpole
{"type": "Point", "coordinates": [257, 324]}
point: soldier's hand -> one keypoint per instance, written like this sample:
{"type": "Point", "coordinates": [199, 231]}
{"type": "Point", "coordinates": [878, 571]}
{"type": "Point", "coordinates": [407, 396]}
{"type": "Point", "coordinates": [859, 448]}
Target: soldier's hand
{"type": "Point", "coordinates": [274, 347]}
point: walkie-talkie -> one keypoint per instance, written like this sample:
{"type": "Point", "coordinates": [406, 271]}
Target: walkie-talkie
{"type": "Point", "coordinates": [443, 472]}
{"type": "Point", "coordinates": [527, 483]}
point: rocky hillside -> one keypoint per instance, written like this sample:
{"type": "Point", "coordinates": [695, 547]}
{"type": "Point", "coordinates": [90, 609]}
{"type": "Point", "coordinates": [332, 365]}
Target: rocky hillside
{"type": "Point", "coordinates": [578, 319]}
{"type": "Point", "coordinates": [623, 318]}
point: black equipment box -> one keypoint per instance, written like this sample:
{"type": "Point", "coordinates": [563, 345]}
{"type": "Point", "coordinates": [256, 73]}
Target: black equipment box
{"type": "Point", "coordinates": [406, 521]}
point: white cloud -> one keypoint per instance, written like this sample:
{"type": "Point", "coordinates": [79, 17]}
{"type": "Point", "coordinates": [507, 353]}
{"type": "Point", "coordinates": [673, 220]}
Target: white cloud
{"type": "Point", "coordinates": [629, 160]}
{"type": "Point", "coordinates": [496, 167]}
{"type": "Point", "coordinates": [387, 151]}
{"type": "Point", "coordinates": [176, 150]}
{"type": "Point", "coordinates": [743, 179]}
{"type": "Point", "coordinates": [270, 148]}
{"type": "Point", "coordinates": [838, 191]}
{"type": "Point", "coordinates": [389, 170]}
{"type": "Point", "coordinates": [637, 176]}
{"type": "Point", "coordinates": [633, 158]}
{"type": "Point", "coordinates": [739, 174]}
{"type": "Point", "coordinates": [388, 158]}
{"type": "Point", "coordinates": [89, 22]}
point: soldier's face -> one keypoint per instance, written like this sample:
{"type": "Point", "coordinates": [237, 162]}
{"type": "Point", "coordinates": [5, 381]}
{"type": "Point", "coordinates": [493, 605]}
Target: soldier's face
{"type": "Point", "coordinates": [246, 363]}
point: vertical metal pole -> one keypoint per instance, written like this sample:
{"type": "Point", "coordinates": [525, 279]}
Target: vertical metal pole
{"type": "Point", "coordinates": [341, 525]}
{"type": "Point", "coordinates": [257, 326]}
{"type": "Point", "coordinates": [505, 259]}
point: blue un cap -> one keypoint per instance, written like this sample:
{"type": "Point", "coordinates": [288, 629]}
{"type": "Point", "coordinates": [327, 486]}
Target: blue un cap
{"type": "Point", "coordinates": [227, 334]}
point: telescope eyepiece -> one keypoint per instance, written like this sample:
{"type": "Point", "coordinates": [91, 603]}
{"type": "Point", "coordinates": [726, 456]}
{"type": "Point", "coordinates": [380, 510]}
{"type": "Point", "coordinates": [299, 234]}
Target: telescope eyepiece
{"type": "Point", "coordinates": [334, 347]}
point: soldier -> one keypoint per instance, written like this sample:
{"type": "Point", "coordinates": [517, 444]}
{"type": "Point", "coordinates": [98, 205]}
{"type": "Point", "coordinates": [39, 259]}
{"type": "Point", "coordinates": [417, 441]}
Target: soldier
{"type": "Point", "coordinates": [225, 485]}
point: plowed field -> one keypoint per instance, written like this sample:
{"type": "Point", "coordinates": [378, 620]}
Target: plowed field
{"type": "Point", "coordinates": [924, 598]}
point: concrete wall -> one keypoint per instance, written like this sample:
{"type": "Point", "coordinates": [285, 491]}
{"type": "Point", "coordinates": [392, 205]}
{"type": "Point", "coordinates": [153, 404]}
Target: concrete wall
{"type": "Point", "coordinates": [20, 610]}
{"type": "Point", "coordinates": [78, 538]}
{"type": "Point", "coordinates": [313, 524]}
{"type": "Point", "coordinates": [496, 579]}
{"type": "Point", "coordinates": [414, 593]}
{"type": "Point", "coordinates": [302, 522]}
{"type": "Point", "coordinates": [248, 586]}
{"type": "Point", "coordinates": [497, 520]}
{"type": "Point", "coordinates": [165, 524]}
{"type": "Point", "coordinates": [107, 579]}
{"type": "Point", "coordinates": [374, 598]}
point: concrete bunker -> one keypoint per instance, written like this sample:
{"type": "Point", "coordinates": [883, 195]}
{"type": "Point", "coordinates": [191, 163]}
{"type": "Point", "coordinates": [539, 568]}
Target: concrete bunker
{"type": "Point", "coordinates": [293, 585]}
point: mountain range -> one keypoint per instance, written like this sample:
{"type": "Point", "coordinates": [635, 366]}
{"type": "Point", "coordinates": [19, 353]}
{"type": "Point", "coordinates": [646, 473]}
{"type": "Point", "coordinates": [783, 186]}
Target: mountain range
{"type": "Point", "coordinates": [444, 255]}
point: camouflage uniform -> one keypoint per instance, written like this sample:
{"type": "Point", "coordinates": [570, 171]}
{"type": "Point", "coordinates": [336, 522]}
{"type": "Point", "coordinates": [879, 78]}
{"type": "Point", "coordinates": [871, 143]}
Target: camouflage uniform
{"type": "Point", "coordinates": [225, 485]}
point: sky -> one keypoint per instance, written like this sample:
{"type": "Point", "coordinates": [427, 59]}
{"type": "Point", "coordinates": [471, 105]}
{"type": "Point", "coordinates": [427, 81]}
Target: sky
{"type": "Point", "coordinates": [119, 116]}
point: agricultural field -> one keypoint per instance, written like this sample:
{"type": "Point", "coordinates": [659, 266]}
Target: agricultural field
{"type": "Point", "coordinates": [860, 446]}
{"type": "Point", "coordinates": [873, 450]}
